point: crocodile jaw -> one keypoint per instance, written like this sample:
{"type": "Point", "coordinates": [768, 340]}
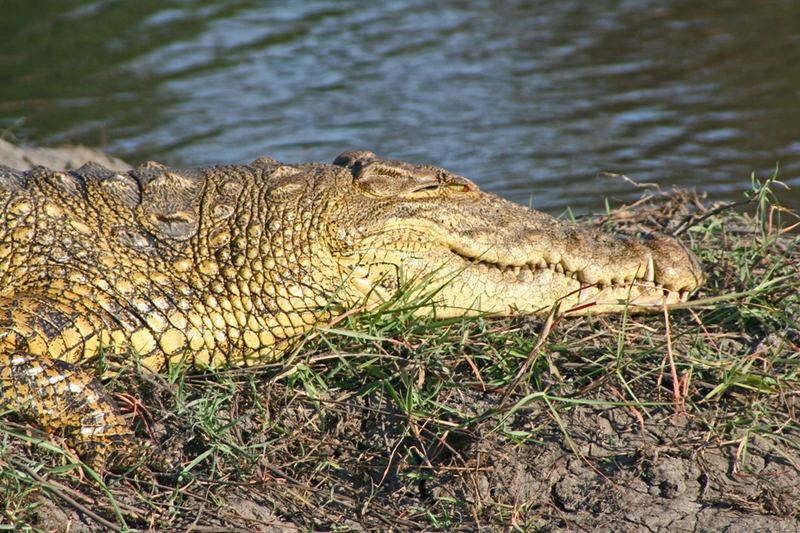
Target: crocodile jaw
{"type": "Point", "coordinates": [458, 287]}
{"type": "Point", "coordinates": [480, 287]}
{"type": "Point", "coordinates": [610, 273]}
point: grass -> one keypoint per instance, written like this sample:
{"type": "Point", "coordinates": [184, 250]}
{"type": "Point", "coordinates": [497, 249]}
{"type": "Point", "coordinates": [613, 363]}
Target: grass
{"type": "Point", "coordinates": [382, 420]}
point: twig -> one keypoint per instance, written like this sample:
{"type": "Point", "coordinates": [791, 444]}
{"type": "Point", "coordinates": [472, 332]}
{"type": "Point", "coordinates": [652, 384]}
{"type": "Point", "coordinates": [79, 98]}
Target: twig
{"type": "Point", "coordinates": [695, 219]}
{"type": "Point", "coordinates": [533, 356]}
{"type": "Point", "coordinates": [54, 489]}
{"type": "Point", "coordinates": [631, 181]}
{"type": "Point", "coordinates": [676, 389]}
{"type": "Point", "coordinates": [475, 371]}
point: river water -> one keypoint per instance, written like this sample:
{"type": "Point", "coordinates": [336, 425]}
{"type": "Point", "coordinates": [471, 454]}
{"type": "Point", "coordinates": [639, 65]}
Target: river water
{"type": "Point", "coordinates": [534, 100]}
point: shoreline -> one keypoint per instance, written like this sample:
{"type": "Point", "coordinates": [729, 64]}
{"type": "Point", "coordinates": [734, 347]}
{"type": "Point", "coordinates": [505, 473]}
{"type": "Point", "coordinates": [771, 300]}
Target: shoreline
{"type": "Point", "coordinates": [68, 157]}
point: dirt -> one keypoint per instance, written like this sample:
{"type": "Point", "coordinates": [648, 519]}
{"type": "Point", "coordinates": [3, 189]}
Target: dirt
{"type": "Point", "coordinates": [356, 464]}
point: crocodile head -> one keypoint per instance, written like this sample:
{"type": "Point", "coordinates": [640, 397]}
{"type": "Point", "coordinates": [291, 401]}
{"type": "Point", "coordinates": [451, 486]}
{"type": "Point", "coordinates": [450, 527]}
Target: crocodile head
{"type": "Point", "coordinates": [476, 252]}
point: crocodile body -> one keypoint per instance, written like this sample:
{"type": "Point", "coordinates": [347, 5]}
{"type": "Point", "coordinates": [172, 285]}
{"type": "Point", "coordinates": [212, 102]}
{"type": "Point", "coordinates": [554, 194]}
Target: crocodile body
{"type": "Point", "coordinates": [228, 265]}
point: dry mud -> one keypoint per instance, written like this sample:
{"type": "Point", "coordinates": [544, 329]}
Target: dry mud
{"type": "Point", "coordinates": [607, 469]}
{"type": "Point", "coordinates": [346, 463]}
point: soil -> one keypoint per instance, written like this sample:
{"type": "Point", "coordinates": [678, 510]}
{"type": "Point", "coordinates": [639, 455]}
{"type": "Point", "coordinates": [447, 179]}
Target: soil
{"type": "Point", "coordinates": [350, 463]}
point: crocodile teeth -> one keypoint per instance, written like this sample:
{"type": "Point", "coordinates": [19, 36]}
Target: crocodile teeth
{"type": "Point", "coordinates": [516, 270]}
{"type": "Point", "coordinates": [559, 268]}
{"type": "Point", "coordinates": [374, 292]}
{"type": "Point", "coordinates": [650, 270]}
{"type": "Point", "coordinates": [541, 264]}
{"type": "Point", "coordinates": [583, 294]}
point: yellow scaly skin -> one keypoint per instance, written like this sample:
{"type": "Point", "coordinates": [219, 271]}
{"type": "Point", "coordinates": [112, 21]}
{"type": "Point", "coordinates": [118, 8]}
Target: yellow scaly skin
{"type": "Point", "coordinates": [225, 266]}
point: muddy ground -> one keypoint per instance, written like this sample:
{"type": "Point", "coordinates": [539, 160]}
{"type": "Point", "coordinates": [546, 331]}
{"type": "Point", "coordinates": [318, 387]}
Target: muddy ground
{"type": "Point", "coordinates": [341, 462]}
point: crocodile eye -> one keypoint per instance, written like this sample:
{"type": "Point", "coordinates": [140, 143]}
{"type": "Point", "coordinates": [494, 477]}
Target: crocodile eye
{"type": "Point", "coordinates": [458, 187]}
{"type": "Point", "coordinates": [430, 187]}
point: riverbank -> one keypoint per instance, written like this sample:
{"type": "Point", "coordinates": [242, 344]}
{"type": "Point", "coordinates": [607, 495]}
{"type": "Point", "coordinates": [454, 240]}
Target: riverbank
{"type": "Point", "coordinates": [23, 157]}
{"type": "Point", "coordinates": [384, 421]}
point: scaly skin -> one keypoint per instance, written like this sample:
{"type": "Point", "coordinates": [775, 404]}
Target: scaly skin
{"type": "Point", "coordinates": [227, 265]}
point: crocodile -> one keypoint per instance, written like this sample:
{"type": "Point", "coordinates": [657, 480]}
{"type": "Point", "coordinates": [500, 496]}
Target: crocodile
{"type": "Point", "coordinates": [229, 265]}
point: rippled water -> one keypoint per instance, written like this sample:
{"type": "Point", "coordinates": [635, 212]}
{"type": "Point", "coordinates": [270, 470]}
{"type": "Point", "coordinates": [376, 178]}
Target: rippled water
{"type": "Point", "coordinates": [533, 100]}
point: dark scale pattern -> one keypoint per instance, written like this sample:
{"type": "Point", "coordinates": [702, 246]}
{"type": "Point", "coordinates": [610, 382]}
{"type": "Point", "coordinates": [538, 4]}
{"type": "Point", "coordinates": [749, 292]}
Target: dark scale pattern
{"type": "Point", "coordinates": [70, 402]}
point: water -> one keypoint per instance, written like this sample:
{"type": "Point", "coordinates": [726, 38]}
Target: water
{"type": "Point", "coordinates": [533, 100]}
